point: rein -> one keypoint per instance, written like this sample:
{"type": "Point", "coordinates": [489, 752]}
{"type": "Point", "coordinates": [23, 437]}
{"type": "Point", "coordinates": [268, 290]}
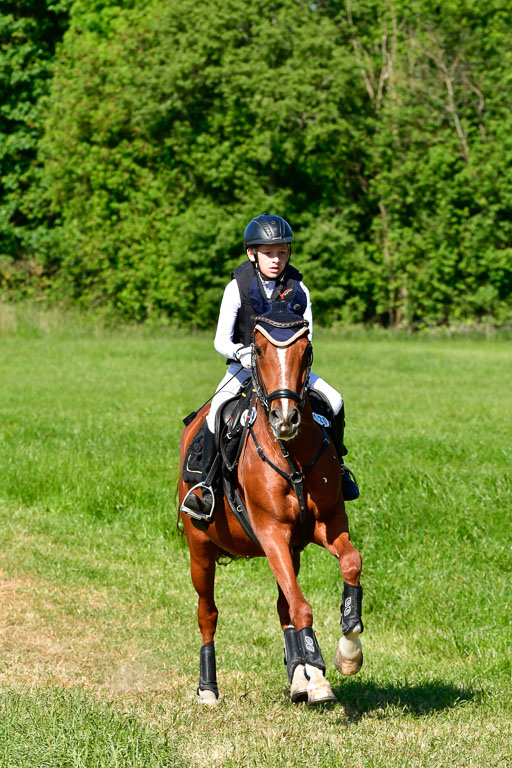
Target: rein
{"type": "Point", "coordinates": [295, 476]}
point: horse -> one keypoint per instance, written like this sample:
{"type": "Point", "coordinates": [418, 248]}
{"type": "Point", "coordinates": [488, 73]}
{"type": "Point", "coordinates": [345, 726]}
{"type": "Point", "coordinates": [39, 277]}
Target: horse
{"type": "Point", "coordinates": [289, 479]}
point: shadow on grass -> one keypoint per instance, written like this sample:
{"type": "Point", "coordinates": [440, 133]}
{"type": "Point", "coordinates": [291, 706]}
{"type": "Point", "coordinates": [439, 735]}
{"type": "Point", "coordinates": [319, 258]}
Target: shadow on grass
{"type": "Point", "coordinates": [362, 697]}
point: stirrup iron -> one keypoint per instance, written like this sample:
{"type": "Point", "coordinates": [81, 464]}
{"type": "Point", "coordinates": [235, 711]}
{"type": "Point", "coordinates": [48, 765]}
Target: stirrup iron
{"type": "Point", "coordinates": [196, 513]}
{"type": "Point", "coordinates": [348, 471]}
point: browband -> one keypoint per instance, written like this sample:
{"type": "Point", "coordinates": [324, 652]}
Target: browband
{"type": "Point", "coordinates": [278, 324]}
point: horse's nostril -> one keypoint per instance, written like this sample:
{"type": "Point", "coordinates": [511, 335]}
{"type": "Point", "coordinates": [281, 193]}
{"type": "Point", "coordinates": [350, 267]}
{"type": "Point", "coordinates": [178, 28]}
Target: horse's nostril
{"type": "Point", "coordinates": [295, 418]}
{"type": "Point", "coordinates": [274, 416]}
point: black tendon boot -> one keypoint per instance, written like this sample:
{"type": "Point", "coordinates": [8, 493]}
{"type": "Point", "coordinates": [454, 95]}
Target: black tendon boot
{"type": "Point", "coordinates": [348, 481]}
{"type": "Point", "coordinates": [200, 506]}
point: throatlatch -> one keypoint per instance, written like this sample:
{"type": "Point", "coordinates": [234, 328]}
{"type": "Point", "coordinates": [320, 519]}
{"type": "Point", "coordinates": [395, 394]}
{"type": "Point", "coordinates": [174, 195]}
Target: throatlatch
{"type": "Point", "coordinates": [208, 669]}
{"type": "Point", "coordinates": [351, 607]}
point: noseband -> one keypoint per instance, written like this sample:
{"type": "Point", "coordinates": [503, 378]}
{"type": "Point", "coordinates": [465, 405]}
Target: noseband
{"type": "Point", "coordinates": [264, 396]}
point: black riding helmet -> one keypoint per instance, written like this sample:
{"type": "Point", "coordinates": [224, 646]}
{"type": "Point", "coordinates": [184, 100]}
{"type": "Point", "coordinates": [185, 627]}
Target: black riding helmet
{"type": "Point", "coordinates": [267, 229]}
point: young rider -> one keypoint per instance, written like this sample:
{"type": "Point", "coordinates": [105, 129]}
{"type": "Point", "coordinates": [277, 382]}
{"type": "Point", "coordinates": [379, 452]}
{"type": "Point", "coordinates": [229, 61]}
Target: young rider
{"type": "Point", "coordinates": [267, 240]}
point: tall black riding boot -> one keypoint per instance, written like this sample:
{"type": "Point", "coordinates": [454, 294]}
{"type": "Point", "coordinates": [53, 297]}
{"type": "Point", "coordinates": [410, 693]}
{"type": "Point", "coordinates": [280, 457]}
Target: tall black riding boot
{"type": "Point", "coordinates": [201, 506]}
{"type": "Point", "coordinates": [348, 480]}
{"type": "Point", "coordinates": [209, 453]}
{"type": "Point", "coordinates": [339, 432]}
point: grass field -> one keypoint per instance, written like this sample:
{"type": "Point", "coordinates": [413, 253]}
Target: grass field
{"type": "Point", "coordinates": [99, 643]}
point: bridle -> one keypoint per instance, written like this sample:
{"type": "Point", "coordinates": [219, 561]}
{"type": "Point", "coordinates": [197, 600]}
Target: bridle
{"type": "Point", "coordinates": [294, 476]}
{"type": "Point", "coordinates": [263, 395]}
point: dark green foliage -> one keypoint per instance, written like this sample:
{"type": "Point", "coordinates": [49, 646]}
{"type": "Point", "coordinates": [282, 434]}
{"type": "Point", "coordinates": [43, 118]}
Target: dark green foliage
{"type": "Point", "coordinates": [379, 129]}
{"type": "Point", "coordinates": [29, 32]}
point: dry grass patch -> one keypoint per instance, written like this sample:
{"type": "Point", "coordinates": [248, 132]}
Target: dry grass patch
{"type": "Point", "coordinates": [51, 635]}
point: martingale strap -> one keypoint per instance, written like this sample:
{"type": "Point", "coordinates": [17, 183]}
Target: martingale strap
{"type": "Point", "coordinates": [294, 476]}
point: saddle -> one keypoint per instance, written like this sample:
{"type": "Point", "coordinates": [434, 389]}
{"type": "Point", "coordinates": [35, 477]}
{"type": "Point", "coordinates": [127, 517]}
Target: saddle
{"type": "Point", "coordinates": [230, 422]}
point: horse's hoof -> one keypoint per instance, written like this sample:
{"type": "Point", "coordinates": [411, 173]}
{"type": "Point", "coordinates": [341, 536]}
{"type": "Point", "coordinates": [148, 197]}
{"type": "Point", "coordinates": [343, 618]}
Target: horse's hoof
{"type": "Point", "coordinates": [319, 689]}
{"type": "Point", "coordinates": [348, 658]}
{"type": "Point", "coordinates": [207, 697]}
{"type": "Point", "coordinates": [320, 694]}
{"type": "Point", "coordinates": [299, 685]}
{"type": "Point", "coordinates": [347, 666]}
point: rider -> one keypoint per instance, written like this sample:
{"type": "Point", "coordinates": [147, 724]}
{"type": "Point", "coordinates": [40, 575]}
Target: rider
{"type": "Point", "coordinates": [267, 242]}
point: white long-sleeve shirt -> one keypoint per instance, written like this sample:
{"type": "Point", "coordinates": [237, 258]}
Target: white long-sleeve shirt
{"type": "Point", "coordinates": [229, 307]}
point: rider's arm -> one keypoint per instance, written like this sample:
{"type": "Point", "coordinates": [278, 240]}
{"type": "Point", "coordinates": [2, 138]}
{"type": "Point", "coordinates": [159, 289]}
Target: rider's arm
{"type": "Point", "coordinates": [308, 312]}
{"type": "Point", "coordinates": [229, 307]}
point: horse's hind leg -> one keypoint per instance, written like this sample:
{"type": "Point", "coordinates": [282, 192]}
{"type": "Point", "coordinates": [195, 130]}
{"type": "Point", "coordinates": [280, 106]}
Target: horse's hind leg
{"type": "Point", "coordinates": [348, 657]}
{"type": "Point", "coordinates": [334, 536]}
{"type": "Point", "coordinates": [202, 568]}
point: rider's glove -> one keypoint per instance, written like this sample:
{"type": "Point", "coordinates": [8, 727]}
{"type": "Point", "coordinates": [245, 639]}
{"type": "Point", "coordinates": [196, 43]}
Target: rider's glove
{"type": "Point", "coordinates": [243, 355]}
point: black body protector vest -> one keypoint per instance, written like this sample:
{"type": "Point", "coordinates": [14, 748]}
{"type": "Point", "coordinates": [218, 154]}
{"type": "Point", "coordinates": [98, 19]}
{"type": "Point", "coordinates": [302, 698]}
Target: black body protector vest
{"type": "Point", "coordinates": [283, 291]}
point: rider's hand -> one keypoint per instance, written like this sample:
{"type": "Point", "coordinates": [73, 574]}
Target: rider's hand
{"type": "Point", "coordinates": [243, 355]}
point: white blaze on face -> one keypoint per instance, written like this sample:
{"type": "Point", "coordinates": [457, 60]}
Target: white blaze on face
{"type": "Point", "coordinates": [281, 355]}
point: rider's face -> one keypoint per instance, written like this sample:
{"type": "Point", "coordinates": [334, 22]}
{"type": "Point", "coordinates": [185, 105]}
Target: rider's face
{"type": "Point", "coordinates": [272, 259]}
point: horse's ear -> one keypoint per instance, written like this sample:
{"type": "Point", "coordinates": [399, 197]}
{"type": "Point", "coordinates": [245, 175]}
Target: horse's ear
{"type": "Point", "coordinates": [258, 302]}
{"type": "Point", "coordinates": [298, 302]}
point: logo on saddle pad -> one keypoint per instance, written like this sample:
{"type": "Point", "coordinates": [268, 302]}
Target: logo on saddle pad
{"type": "Point", "coordinates": [321, 420]}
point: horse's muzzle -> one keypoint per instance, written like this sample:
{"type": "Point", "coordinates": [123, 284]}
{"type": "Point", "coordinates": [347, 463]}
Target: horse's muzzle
{"type": "Point", "coordinates": [284, 426]}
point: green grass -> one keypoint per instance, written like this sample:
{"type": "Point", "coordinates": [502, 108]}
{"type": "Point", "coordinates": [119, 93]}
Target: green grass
{"type": "Point", "coordinates": [99, 643]}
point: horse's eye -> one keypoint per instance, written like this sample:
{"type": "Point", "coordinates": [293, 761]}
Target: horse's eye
{"type": "Point", "coordinates": [258, 351]}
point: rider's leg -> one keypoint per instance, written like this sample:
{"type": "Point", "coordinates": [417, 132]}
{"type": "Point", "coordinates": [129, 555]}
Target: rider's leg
{"type": "Point", "coordinates": [349, 485]}
{"type": "Point", "coordinates": [230, 385]}
{"type": "Point", "coordinates": [339, 431]}
{"type": "Point", "coordinates": [204, 502]}
{"type": "Point", "coordinates": [332, 395]}
{"type": "Point", "coordinates": [209, 453]}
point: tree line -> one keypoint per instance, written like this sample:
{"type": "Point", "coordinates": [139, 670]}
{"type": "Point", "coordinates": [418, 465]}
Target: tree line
{"type": "Point", "coordinates": [137, 139]}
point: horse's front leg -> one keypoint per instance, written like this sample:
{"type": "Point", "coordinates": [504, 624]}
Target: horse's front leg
{"type": "Point", "coordinates": [304, 663]}
{"type": "Point", "coordinates": [295, 667]}
{"type": "Point", "coordinates": [334, 536]}
{"type": "Point", "coordinates": [202, 569]}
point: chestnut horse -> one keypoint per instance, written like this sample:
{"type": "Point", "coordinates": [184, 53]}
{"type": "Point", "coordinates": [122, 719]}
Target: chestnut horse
{"type": "Point", "coordinates": [289, 479]}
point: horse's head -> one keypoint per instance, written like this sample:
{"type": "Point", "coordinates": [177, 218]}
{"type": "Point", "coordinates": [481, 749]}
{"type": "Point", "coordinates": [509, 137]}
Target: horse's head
{"type": "Point", "coordinates": [281, 361]}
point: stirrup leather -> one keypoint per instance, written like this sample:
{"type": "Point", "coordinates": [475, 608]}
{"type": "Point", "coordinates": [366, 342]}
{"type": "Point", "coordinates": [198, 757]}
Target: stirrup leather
{"type": "Point", "coordinates": [196, 513]}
